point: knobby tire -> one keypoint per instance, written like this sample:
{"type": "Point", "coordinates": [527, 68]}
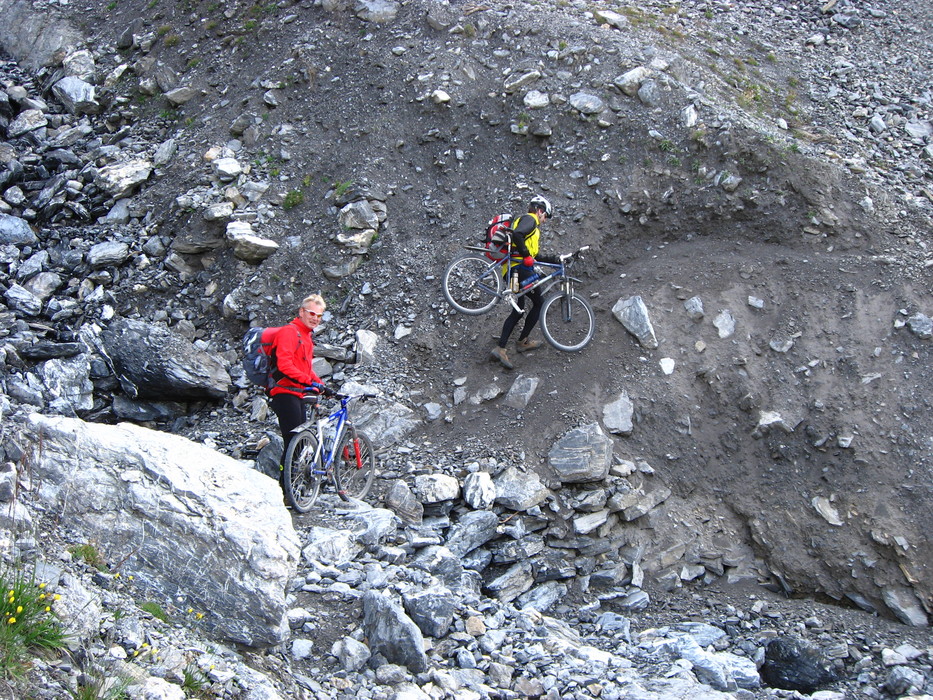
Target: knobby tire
{"type": "Point", "coordinates": [471, 285]}
{"type": "Point", "coordinates": [355, 465]}
{"type": "Point", "coordinates": [567, 322]}
{"type": "Point", "coordinates": [300, 483]}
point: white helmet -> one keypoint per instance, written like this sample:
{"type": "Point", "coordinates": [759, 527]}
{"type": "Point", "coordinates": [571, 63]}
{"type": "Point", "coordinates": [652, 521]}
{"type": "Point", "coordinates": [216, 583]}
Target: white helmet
{"type": "Point", "coordinates": [539, 202]}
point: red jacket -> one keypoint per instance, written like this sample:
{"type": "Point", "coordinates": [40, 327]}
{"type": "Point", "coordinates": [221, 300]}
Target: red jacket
{"type": "Point", "coordinates": [293, 350]}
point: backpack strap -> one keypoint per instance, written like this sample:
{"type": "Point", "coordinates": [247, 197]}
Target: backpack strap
{"type": "Point", "coordinates": [277, 374]}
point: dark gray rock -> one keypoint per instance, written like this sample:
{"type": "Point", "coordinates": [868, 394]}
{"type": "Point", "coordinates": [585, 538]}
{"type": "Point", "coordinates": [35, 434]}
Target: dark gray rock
{"type": "Point", "coordinates": [792, 664]}
{"type": "Point", "coordinates": [153, 362]}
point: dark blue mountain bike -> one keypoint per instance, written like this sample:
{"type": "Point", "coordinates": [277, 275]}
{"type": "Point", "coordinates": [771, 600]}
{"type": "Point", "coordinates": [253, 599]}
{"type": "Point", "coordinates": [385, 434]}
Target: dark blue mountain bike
{"type": "Point", "coordinates": [474, 283]}
{"type": "Point", "coordinates": [328, 446]}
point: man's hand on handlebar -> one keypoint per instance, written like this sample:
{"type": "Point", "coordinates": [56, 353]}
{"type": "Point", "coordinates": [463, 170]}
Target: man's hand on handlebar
{"type": "Point", "coordinates": [317, 388]}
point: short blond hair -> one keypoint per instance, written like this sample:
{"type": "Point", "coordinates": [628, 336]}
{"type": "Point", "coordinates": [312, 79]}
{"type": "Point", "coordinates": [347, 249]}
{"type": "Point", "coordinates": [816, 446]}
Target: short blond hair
{"type": "Point", "coordinates": [316, 299]}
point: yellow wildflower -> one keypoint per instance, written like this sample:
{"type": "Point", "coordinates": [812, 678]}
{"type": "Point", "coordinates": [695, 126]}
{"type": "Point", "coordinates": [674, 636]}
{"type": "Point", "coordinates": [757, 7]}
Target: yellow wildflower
{"type": "Point", "coordinates": [12, 620]}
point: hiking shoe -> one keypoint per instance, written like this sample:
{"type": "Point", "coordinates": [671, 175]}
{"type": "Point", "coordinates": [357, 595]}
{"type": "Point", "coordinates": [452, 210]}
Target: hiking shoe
{"type": "Point", "coordinates": [525, 345]}
{"type": "Point", "coordinates": [503, 357]}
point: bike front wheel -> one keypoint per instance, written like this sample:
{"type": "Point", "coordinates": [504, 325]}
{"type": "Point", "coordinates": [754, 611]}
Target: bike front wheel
{"type": "Point", "coordinates": [567, 322]}
{"type": "Point", "coordinates": [472, 284]}
{"type": "Point", "coordinates": [301, 479]}
{"type": "Point", "coordinates": [355, 466]}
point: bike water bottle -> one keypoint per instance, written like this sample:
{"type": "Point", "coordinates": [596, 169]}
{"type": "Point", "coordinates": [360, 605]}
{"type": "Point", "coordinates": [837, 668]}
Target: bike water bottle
{"type": "Point", "coordinates": [514, 281]}
{"type": "Point", "coordinates": [531, 280]}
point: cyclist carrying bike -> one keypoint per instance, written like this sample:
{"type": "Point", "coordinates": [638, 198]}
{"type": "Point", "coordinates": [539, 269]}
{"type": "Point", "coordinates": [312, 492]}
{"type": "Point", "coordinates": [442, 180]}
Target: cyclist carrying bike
{"type": "Point", "coordinates": [525, 240]}
{"type": "Point", "coordinates": [293, 350]}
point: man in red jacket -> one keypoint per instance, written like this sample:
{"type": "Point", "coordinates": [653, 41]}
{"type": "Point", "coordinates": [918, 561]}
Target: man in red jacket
{"type": "Point", "coordinates": [293, 350]}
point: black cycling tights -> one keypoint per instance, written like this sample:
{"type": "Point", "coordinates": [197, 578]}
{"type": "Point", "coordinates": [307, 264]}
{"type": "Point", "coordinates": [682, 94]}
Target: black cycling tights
{"type": "Point", "coordinates": [530, 321]}
{"type": "Point", "coordinates": [291, 413]}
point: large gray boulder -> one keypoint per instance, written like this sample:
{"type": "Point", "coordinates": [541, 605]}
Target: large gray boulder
{"type": "Point", "coordinates": [194, 528]}
{"type": "Point", "coordinates": [582, 455]}
{"type": "Point", "coordinates": [392, 633]}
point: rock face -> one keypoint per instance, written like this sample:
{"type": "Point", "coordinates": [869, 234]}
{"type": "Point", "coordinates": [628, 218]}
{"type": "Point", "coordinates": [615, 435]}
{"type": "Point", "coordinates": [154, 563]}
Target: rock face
{"type": "Point", "coordinates": [191, 527]}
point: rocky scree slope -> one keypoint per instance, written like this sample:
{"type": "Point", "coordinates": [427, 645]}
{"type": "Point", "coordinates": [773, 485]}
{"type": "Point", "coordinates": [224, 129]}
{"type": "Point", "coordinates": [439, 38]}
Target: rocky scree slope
{"type": "Point", "coordinates": [659, 167]}
{"type": "Point", "coordinates": [645, 192]}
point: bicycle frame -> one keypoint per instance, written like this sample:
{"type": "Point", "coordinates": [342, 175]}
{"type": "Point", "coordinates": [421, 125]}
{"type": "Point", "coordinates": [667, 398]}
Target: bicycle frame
{"type": "Point", "coordinates": [558, 275]}
{"type": "Point", "coordinates": [340, 419]}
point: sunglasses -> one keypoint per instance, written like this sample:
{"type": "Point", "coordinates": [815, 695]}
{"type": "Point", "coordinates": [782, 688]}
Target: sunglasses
{"type": "Point", "coordinates": [312, 313]}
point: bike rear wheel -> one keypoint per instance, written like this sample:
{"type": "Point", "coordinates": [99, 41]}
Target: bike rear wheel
{"type": "Point", "coordinates": [299, 480]}
{"type": "Point", "coordinates": [472, 284]}
{"type": "Point", "coordinates": [355, 465]}
{"type": "Point", "coordinates": [567, 322]}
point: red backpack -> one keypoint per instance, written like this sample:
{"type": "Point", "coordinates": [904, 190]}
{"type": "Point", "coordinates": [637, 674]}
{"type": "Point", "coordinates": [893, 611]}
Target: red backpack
{"type": "Point", "coordinates": [498, 233]}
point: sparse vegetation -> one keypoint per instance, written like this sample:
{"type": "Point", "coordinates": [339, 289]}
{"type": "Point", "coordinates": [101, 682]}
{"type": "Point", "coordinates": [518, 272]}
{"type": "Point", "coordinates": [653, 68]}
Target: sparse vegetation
{"type": "Point", "coordinates": [154, 609]}
{"type": "Point", "coordinates": [195, 682]}
{"type": "Point", "coordinates": [98, 685]}
{"type": "Point", "coordinates": [27, 621]}
{"type": "Point", "coordinates": [341, 188]}
{"type": "Point", "coordinates": [293, 199]}
{"type": "Point", "coordinates": [89, 554]}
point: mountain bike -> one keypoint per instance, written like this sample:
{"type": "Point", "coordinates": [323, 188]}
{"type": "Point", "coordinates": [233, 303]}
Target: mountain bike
{"type": "Point", "coordinates": [473, 285]}
{"type": "Point", "coordinates": [328, 447]}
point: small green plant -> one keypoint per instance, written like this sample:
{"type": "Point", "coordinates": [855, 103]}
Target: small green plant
{"type": "Point", "coordinates": [561, 45]}
{"type": "Point", "coordinates": [469, 30]}
{"type": "Point", "coordinates": [152, 4]}
{"type": "Point", "coordinates": [154, 609]}
{"type": "Point", "coordinates": [771, 57]}
{"type": "Point", "coordinates": [674, 161]}
{"type": "Point", "coordinates": [169, 114]}
{"type": "Point", "coordinates": [275, 172]}
{"type": "Point", "coordinates": [293, 199]}
{"type": "Point", "coordinates": [306, 181]}
{"type": "Point", "coordinates": [666, 145]}
{"type": "Point", "coordinates": [708, 14]}
{"type": "Point", "coordinates": [112, 5]}
{"type": "Point", "coordinates": [89, 554]}
{"type": "Point", "coordinates": [210, 24]}
{"type": "Point", "coordinates": [193, 63]}
{"type": "Point", "coordinates": [189, 122]}
{"type": "Point", "coordinates": [172, 40]}
{"type": "Point", "coordinates": [341, 188]}
{"type": "Point", "coordinates": [27, 622]}
{"type": "Point", "coordinates": [249, 25]}
{"type": "Point", "coordinates": [164, 29]}
{"type": "Point", "coordinates": [195, 682]}
{"type": "Point", "coordinates": [98, 685]}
